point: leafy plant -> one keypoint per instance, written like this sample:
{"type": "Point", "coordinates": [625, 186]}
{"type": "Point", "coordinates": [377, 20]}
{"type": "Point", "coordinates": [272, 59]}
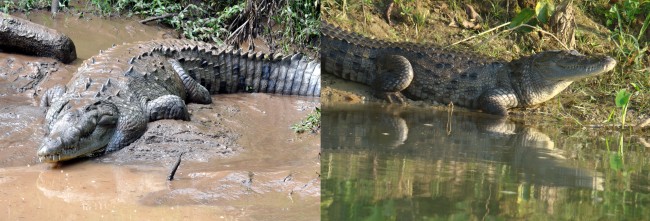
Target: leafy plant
{"type": "Point", "coordinates": [523, 17]}
{"type": "Point", "coordinates": [311, 123]}
{"type": "Point", "coordinates": [196, 23]}
{"type": "Point", "coordinates": [543, 11]}
{"type": "Point", "coordinates": [7, 5]}
{"type": "Point", "coordinates": [622, 100]}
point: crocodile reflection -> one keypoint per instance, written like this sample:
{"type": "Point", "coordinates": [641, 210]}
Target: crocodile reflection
{"type": "Point", "coordinates": [465, 138]}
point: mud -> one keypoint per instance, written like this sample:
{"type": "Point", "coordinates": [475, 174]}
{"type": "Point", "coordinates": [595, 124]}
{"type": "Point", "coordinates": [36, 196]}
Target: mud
{"type": "Point", "coordinates": [241, 160]}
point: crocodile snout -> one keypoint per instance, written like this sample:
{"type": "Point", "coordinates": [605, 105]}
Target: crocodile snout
{"type": "Point", "coordinates": [50, 150]}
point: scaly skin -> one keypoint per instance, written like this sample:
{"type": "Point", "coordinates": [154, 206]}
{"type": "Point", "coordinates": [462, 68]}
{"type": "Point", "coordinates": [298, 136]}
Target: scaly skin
{"type": "Point", "coordinates": [113, 95]}
{"type": "Point", "coordinates": [436, 75]}
{"type": "Point", "coordinates": [30, 38]}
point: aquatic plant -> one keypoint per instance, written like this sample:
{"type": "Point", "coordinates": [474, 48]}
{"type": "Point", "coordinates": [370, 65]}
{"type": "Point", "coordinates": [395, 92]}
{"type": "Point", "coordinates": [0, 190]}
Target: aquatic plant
{"type": "Point", "coordinates": [622, 100]}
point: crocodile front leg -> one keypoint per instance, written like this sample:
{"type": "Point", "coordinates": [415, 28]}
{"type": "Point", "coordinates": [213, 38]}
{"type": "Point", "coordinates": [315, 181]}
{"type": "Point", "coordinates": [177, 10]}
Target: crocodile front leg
{"type": "Point", "coordinates": [131, 124]}
{"type": "Point", "coordinates": [48, 97]}
{"type": "Point", "coordinates": [497, 101]}
{"type": "Point", "coordinates": [394, 74]}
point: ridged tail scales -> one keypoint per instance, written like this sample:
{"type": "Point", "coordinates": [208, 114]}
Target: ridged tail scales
{"type": "Point", "coordinates": [226, 70]}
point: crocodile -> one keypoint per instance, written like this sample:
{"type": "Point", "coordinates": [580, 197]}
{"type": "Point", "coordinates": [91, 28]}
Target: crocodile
{"type": "Point", "coordinates": [23, 36]}
{"type": "Point", "coordinates": [112, 96]}
{"type": "Point", "coordinates": [401, 70]}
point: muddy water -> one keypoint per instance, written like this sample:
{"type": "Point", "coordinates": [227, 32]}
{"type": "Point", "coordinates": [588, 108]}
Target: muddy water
{"type": "Point", "coordinates": [387, 163]}
{"type": "Point", "coordinates": [241, 160]}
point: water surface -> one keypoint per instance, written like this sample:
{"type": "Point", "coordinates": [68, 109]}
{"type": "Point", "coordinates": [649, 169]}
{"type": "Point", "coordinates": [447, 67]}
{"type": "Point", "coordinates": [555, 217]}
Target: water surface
{"type": "Point", "coordinates": [387, 163]}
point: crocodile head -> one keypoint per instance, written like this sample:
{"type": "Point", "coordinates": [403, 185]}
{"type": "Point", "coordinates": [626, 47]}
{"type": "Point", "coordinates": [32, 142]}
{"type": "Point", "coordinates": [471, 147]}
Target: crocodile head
{"type": "Point", "coordinates": [570, 65]}
{"type": "Point", "coordinates": [75, 132]}
{"type": "Point", "coordinates": [541, 76]}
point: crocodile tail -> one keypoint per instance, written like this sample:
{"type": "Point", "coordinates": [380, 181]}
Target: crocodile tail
{"type": "Point", "coordinates": [223, 69]}
{"type": "Point", "coordinates": [268, 73]}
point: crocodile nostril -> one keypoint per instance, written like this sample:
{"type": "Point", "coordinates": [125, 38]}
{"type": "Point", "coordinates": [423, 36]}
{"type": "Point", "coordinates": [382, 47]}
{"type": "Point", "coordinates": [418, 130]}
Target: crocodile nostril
{"type": "Point", "coordinates": [49, 146]}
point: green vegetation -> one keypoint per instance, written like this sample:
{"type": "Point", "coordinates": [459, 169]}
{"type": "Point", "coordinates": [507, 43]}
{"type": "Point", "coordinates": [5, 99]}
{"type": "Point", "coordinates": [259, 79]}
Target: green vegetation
{"type": "Point", "coordinates": [301, 19]}
{"type": "Point", "coordinates": [542, 12]}
{"type": "Point", "coordinates": [23, 5]}
{"type": "Point", "coordinates": [623, 20]}
{"type": "Point", "coordinates": [311, 123]}
{"type": "Point", "coordinates": [622, 100]}
{"type": "Point", "coordinates": [294, 25]}
{"type": "Point", "coordinates": [201, 26]}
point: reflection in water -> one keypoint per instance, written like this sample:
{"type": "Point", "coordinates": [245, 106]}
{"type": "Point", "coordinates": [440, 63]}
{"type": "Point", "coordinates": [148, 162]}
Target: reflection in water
{"type": "Point", "coordinates": [413, 164]}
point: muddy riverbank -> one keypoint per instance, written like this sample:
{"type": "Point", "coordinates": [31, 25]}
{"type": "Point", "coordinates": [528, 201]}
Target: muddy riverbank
{"type": "Point", "coordinates": [242, 161]}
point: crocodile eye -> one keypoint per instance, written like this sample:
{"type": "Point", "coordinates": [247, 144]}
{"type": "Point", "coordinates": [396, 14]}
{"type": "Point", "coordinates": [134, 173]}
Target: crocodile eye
{"type": "Point", "coordinates": [86, 125]}
{"type": "Point", "coordinates": [107, 119]}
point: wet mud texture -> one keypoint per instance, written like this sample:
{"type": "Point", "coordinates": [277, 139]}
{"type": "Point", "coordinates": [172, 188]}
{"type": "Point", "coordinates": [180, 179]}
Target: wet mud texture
{"type": "Point", "coordinates": [242, 161]}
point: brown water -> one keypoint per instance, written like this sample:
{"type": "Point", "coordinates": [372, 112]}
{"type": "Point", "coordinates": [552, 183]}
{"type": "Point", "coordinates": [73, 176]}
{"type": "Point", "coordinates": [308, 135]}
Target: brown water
{"type": "Point", "coordinates": [241, 161]}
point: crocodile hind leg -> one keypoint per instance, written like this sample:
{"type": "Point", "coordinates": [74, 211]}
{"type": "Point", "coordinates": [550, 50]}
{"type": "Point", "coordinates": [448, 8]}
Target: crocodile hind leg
{"type": "Point", "coordinates": [394, 74]}
{"type": "Point", "coordinates": [195, 92]}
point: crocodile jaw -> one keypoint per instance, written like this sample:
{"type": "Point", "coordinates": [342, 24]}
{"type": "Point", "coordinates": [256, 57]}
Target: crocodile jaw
{"type": "Point", "coordinates": [70, 144]}
{"type": "Point", "coordinates": [570, 65]}
{"type": "Point", "coordinates": [540, 77]}
{"type": "Point", "coordinates": [52, 151]}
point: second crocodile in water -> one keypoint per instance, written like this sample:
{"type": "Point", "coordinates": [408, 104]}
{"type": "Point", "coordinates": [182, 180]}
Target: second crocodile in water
{"type": "Point", "coordinates": [438, 75]}
{"type": "Point", "coordinates": [113, 95]}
